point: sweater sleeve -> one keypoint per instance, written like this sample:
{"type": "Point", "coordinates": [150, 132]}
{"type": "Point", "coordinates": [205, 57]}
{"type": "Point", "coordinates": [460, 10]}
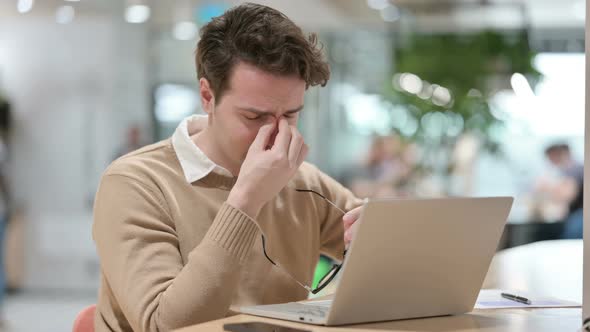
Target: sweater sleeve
{"type": "Point", "coordinates": [332, 227]}
{"type": "Point", "coordinates": [140, 258]}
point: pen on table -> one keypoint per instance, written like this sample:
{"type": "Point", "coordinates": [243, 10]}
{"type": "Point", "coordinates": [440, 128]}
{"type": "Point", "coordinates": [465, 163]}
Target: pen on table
{"type": "Point", "coordinates": [516, 298]}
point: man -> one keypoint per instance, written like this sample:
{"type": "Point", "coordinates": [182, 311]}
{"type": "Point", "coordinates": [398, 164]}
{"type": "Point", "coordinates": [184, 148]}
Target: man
{"type": "Point", "coordinates": [179, 225]}
{"type": "Point", "coordinates": [5, 194]}
{"type": "Point", "coordinates": [569, 189]}
{"type": "Point", "coordinates": [133, 141]}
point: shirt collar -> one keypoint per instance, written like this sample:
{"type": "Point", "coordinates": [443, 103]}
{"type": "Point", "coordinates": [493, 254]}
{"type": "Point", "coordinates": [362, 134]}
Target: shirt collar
{"type": "Point", "coordinates": [195, 164]}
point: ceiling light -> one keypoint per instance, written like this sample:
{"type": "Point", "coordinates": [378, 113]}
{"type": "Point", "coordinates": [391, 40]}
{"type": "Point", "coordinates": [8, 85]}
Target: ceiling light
{"type": "Point", "coordinates": [185, 30]}
{"type": "Point", "coordinates": [137, 13]}
{"type": "Point", "coordinates": [65, 14]}
{"type": "Point", "coordinates": [390, 13]}
{"type": "Point", "coordinates": [411, 83]}
{"type": "Point", "coordinates": [24, 6]}
{"type": "Point", "coordinates": [378, 4]}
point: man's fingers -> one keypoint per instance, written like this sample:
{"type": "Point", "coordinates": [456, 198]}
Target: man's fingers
{"type": "Point", "coordinates": [295, 146]}
{"type": "Point", "coordinates": [348, 236]}
{"type": "Point", "coordinates": [351, 216]}
{"type": "Point", "coordinates": [283, 138]}
{"type": "Point", "coordinates": [349, 233]}
{"type": "Point", "coordinates": [263, 137]}
{"type": "Point", "coordinates": [302, 154]}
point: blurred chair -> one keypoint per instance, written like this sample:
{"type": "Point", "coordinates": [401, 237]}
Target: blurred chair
{"type": "Point", "coordinates": [85, 320]}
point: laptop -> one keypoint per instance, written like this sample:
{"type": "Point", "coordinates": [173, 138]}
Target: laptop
{"type": "Point", "coordinates": [409, 258]}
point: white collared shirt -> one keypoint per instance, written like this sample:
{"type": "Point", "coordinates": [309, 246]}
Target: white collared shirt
{"type": "Point", "coordinates": [195, 164]}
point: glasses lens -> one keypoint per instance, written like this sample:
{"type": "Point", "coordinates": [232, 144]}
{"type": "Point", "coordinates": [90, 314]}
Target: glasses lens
{"type": "Point", "coordinates": [327, 278]}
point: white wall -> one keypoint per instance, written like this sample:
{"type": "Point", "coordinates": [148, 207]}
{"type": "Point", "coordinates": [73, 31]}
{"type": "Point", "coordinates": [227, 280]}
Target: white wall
{"type": "Point", "coordinates": [75, 88]}
{"type": "Point", "coordinates": [586, 296]}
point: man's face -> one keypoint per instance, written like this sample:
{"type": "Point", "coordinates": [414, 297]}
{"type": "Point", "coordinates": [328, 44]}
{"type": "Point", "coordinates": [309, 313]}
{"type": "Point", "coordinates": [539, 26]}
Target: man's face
{"type": "Point", "coordinates": [559, 158]}
{"type": "Point", "coordinates": [253, 98]}
{"type": "Point", "coordinates": [553, 157]}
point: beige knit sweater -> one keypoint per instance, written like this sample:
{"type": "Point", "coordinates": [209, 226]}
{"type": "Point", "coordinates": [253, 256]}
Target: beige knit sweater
{"type": "Point", "coordinates": [174, 254]}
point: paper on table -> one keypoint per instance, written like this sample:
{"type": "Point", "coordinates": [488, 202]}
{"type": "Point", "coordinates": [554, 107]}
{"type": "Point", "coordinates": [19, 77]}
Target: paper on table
{"type": "Point", "coordinates": [491, 299]}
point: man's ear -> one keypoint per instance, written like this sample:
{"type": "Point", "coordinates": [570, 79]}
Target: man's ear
{"type": "Point", "coordinates": [207, 96]}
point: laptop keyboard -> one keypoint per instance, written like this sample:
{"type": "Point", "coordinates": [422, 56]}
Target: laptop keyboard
{"type": "Point", "coordinates": [317, 309]}
{"type": "Point", "coordinates": [319, 303]}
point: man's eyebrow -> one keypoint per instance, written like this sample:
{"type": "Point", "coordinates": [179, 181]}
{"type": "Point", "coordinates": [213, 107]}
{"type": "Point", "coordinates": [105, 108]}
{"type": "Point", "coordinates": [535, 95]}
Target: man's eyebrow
{"type": "Point", "coordinates": [261, 112]}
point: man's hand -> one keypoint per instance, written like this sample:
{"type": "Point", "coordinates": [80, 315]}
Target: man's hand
{"type": "Point", "coordinates": [350, 224]}
{"type": "Point", "coordinates": [265, 172]}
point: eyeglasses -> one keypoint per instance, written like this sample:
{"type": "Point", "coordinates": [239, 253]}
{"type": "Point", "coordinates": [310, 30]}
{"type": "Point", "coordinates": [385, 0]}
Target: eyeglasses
{"type": "Point", "coordinates": [328, 277]}
{"type": "Point", "coordinates": [585, 325]}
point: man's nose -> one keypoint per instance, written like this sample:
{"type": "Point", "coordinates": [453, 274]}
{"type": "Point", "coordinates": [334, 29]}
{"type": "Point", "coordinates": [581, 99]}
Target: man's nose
{"type": "Point", "coordinates": [274, 119]}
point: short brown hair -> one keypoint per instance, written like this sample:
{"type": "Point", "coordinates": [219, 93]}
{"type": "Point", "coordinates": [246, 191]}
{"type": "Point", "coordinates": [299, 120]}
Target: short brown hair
{"type": "Point", "coordinates": [557, 147]}
{"type": "Point", "coordinates": [261, 36]}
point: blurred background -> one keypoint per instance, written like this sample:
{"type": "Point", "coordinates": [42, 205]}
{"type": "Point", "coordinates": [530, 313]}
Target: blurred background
{"type": "Point", "coordinates": [427, 98]}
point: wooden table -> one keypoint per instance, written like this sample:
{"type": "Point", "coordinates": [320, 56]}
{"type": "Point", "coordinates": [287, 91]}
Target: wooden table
{"type": "Point", "coordinates": [545, 268]}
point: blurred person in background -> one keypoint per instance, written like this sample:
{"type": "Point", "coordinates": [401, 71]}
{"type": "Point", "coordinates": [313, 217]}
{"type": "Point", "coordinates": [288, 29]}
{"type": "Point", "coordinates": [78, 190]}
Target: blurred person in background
{"type": "Point", "coordinates": [385, 171]}
{"type": "Point", "coordinates": [185, 228]}
{"type": "Point", "coordinates": [133, 141]}
{"type": "Point", "coordinates": [567, 189]}
{"type": "Point", "coordinates": [382, 161]}
{"type": "Point", "coordinates": [5, 125]}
